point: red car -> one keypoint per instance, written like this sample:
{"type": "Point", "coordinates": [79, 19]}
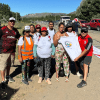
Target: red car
{"type": "Point", "coordinates": [94, 23]}
{"type": "Point", "coordinates": [84, 23]}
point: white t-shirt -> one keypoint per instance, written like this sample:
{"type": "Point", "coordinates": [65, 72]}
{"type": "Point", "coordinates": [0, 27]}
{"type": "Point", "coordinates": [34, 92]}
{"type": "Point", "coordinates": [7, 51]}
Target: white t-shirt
{"type": "Point", "coordinates": [20, 41]}
{"type": "Point", "coordinates": [35, 36]}
{"type": "Point", "coordinates": [71, 46]}
{"type": "Point", "coordinates": [51, 33]}
{"type": "Point", "coordinates": [71, 33]}
{"type": "Point", "coordinates": [44, 49]}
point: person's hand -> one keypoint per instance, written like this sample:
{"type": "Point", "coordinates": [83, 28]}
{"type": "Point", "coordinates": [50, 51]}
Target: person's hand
{"type": "Point", "coordinates": [21, 60]}
{"type": "Point", "coordinates": [76, 59]}
{"type": "Point", "coordinates": [52, 56]}
{"type": "Point", "coordinates": [35, 57]}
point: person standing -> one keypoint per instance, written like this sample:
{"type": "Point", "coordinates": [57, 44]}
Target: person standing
{"type": "Point", "coordinates": [25, 53]}
{"type": "Point", "coordinates": [32, 30]}
{"type": "Point", "coordinates": [76, 23]}
{"type": "Point", "coordinates": [45, 50]}
{"type": "Point", "coordinates": [51, 33]}
{"type": "Point", "coordinates": [85, 57]}
{"type": "Point", "coordinates": [8, 38]}
{"type": "Point", "coordinates": [60, 53]}
{"type": "Point", "coordinates": [51, 30]}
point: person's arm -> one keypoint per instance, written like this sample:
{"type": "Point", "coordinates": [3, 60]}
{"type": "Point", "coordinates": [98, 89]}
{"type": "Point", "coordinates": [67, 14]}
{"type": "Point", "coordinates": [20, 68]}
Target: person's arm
{"type": "Point", "coordinates": [53, 49]}
{"type": "Point", "coordinates": [35, 51]}
{"type": "Point", "coordinates": [55, 39]}
{"type": "Point", "coordinates": [88, 46]}
{"type": "Point", "coordinates": [19, 54]}
{"type": "Point", "coordinates": [80, 23]}
{"type": "Point", "coordinates": [17, 34]}
{"type": "Point", "coordinates": [1, 33]}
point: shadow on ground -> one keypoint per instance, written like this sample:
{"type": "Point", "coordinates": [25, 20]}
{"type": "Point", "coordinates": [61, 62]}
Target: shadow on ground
{"type": "Point", "coordinates": [8, 93]}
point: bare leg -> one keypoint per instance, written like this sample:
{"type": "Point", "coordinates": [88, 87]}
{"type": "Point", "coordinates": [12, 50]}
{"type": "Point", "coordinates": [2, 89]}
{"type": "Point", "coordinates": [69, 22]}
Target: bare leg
{"type": "Point", "coordinates": [85, 72]}
{"type": "Point", "coordinates": [3, 75]}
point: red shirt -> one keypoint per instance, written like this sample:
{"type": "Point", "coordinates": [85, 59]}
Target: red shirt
{"type": "Point", "coordinates": [8, 39]}
{"type": "Point", "coordinates": [86, 43]}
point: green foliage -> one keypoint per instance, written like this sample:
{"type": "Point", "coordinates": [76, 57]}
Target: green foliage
{"type": "Point", "coordinates": [5, 12]}
{"type": "Point", "coordinates": [96, 16]}
{"type": "Point", "coordinates": [72, 16]}
{"type": "Point", "coordinates": [46, 18]}
{"type": "Point", "coordinates": [87, 9]}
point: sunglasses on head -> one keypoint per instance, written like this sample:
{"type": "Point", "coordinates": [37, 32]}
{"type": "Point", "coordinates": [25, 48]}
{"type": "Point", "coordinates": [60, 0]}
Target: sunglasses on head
{"type": "Point", "coordinates": [84, 31]}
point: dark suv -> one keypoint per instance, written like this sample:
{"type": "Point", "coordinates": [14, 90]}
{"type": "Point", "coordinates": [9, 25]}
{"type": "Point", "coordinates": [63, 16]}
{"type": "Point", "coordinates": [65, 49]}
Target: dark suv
{"type": "Point", "coordinates": [94, 23]}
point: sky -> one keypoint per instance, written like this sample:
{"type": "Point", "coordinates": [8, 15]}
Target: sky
{"type": "Point", "coordinates": [25, 7]}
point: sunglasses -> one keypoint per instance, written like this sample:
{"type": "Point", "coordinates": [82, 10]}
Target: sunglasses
{"type": "Point", "coordinates": [84, 31]}
{"type": "Point", "coordinates": [38, 28]}
{"type": "Point", "coordinates": [12, 21]}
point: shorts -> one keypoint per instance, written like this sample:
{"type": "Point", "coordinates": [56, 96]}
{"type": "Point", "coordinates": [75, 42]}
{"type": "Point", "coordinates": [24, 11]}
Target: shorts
{"type": "Point", "coordinates": [6, 59]}
{"type": "Point", "coordinates": [85, 60]}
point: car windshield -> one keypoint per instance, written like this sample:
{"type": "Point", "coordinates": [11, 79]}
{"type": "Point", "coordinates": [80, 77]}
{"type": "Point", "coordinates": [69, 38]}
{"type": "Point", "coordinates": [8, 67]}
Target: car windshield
{"type": "Point", "coordinates": [83, 21]}
{"type": "Point", "coordinates": [99, 21]}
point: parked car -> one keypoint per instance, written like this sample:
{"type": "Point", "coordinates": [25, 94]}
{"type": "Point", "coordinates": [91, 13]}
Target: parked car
{"type": "Point", "coordinates": [94, 24]}
{"type": "Point", "coordinates": [84, 23]}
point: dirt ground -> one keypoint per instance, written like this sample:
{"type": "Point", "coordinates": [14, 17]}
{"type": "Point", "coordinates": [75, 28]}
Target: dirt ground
{"type": "Point", "coordinates": [58, 90]}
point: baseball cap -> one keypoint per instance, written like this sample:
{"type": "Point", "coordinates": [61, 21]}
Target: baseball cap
{"type": "Point", "coordinates": [75, 19]}
{"type": "Point", "coordinates": [27, 28]}
{"type": "Point", "coordinates": [84, 29]}
{"type": "Point", "coordinates": [43, 29]}
{"type": "Point", "coordinates": [37, 26]}
{"type": "Point", "coordinates": [12, 18]}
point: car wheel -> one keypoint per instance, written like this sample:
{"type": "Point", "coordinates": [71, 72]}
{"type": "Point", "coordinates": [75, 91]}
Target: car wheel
{"type": "Point", "coordinates": [89, 27]}
{"type": "Point", "coordinates": [98, 28]}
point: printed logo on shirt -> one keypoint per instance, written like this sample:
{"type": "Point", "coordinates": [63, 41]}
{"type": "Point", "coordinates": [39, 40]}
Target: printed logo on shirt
{"type": "Point", "coordinates": [68, 44]}
{"type": "Point", "coordinates": [84, 42]}
{"type": "Point", "coordinates": [10, 37]}
{"type": "Point", "coordinates": [6, 31]}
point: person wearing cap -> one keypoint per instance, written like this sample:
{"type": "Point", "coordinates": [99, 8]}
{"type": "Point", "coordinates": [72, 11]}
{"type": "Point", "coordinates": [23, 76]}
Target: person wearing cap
{"type": "Point", "coordinates": [8, 38]}
{"type": "Point", "coordinates": [60, 53]}
{"type": "Point", "coordinates": [38, 30]}
{"type": "Point", "coordinates": [76, 23]}
{"type": "Point", "coordinates": [45, 50]}
{"type": "Point", "coordinates": [85, 57]}
{"type": "Point", "coordinates": [25, 53]}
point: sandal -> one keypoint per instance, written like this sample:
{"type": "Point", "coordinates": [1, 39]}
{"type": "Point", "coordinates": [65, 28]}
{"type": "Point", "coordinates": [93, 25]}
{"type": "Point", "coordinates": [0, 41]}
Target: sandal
{"type": "Point", "coordinates": [66, 80]}
{"type": "Point", "coordinates": [48, 81]}
{"type": "Point", "coordinates": [40, 80]}
{"type": "Point", "coordinates": [57, 79]}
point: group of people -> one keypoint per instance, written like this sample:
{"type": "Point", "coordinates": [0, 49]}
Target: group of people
{"type": "Point", "coordinates": [42, 45]}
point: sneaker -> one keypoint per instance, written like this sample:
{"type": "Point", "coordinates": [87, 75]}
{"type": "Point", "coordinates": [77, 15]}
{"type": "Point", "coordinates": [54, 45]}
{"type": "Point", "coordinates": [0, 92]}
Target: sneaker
{"type": "Point", "coordinates": [3, 85]}
{"type": "Point", "coordinates": [78, 74]}
{"type": "Point", "coordinates": [82, 84]}
{"type": "Point", "coordinates": [29, 80]}
{"type": "Point", "coordinates": [25, 81]}
{"type": "Point", "coordinates": [9, 79]}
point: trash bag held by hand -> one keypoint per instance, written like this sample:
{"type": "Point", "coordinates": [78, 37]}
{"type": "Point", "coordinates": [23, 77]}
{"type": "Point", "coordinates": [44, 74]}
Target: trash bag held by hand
{"type": "Point", "coordinates": [61, 73]}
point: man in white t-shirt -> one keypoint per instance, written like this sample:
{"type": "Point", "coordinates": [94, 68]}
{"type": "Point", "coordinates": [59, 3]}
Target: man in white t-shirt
{"type": "Point", "coordinates": [51, 33]}
{"type": "Point", "coordinates": [51, 30]}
